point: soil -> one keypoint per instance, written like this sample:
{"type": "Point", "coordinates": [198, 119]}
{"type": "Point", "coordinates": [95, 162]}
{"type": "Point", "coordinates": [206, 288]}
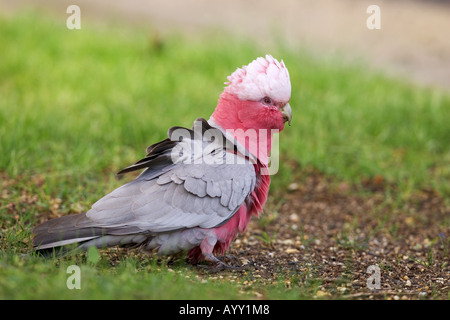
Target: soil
{"type": "Point", "coordinates": [333, 232]}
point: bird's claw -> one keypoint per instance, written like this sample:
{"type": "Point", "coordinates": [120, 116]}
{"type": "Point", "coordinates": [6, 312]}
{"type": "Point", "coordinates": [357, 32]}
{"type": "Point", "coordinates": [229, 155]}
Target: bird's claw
{"type": "Point", "coordinates": [218, 265]}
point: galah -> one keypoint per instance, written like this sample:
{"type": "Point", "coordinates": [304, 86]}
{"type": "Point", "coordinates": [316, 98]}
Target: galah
{"type": "Point", "coordinates": [200, 186]}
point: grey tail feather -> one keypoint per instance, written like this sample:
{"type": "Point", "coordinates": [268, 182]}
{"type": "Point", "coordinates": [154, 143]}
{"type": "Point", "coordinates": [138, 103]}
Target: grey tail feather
{"type": "Point", "coordinates": [59, 236]}
{"type": "Point", "coordinates": [65, 230]}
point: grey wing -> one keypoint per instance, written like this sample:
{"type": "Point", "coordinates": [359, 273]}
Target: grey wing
{"type": "Point", "coordinates": [180, 196]}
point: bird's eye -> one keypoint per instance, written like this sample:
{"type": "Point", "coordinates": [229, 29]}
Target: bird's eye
{"type": "Point", "coordinates": [267, 101]}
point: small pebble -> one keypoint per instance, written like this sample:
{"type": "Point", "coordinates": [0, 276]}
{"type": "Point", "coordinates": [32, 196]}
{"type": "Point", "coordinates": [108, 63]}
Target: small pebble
{"type": "Point", "coordinates": [294, 217]}
{"type": "Point", "coordinates": [320, 293]}
{"type": "Point", "coordinates": [293, 186]}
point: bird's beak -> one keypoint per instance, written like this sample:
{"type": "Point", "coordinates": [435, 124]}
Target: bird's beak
{"type": "Point", "coordinates": [286, 111]}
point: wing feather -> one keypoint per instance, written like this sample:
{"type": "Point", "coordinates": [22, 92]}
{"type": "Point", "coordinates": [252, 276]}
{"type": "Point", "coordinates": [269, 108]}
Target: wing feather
{"type": "Point", "coordinates": [170, 196]}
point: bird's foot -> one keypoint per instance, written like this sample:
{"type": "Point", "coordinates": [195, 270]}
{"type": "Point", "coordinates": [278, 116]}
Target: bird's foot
{"type": "Point", "coordinates": [217, 264]}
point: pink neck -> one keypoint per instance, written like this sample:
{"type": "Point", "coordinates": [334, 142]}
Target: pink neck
{"type": "Point", "coordinates": [231, 114]}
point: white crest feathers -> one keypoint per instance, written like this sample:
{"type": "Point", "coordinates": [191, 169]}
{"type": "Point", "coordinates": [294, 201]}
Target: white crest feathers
{"type": "Point", "coordinates": [262, 77]}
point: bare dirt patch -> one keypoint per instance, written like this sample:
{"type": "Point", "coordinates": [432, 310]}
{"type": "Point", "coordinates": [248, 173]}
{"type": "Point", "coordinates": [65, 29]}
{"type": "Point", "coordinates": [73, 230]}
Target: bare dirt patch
{"type": "Point", "coordinates": [331, 232]}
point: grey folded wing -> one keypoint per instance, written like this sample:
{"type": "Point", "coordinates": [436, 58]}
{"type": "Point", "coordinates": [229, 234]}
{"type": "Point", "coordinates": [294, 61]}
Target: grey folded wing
{"type": "Point", "coordinates": [171, 196]}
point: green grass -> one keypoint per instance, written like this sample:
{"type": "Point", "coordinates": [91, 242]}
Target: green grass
{"type": "Point", "coordinates": [77, 106]}
{"type": "Point", "coordinates": [129, 278]}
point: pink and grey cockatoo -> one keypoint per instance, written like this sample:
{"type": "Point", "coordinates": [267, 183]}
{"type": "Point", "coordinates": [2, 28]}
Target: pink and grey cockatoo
{"type": "Point", "coordinates": [200, 186]}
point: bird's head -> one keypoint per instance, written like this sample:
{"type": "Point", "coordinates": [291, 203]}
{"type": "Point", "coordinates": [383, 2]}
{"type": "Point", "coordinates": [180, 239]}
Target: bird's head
{"type": "Point", "coordinates": [256, 97]}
